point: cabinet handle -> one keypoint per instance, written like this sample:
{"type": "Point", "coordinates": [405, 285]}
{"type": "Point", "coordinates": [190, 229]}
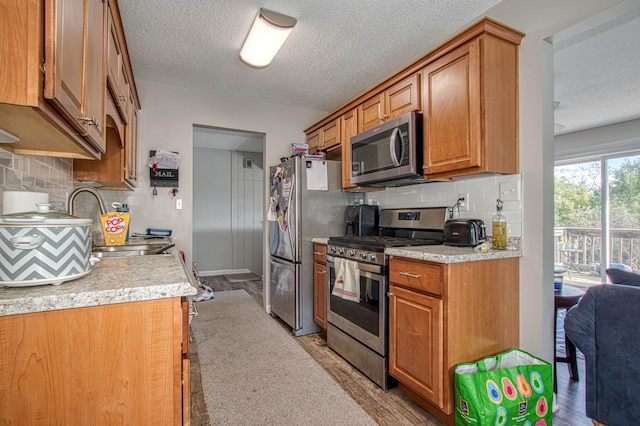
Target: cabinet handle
{"type": "Point", "coordinates": [424, 167]}
{"type": "Point", "coordinates": [319, 253]}
{"type": "Point", "coordinates": [406, 274]}
{"type": "Point", "coordinates": [122, 98]}
{"type": "Point", "coordinates": [389, 294]}
{"type": "Point", "coordinates": [322, 272]}
{"type": "Point", "coordinates": [89, 120]}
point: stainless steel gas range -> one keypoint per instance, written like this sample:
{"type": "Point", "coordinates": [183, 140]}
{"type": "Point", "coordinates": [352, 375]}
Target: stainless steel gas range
{"type": "Point", "coordinates": [357, 326]}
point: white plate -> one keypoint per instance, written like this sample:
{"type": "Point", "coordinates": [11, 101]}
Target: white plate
{"type": "Point", "coordinates": [43, 281]}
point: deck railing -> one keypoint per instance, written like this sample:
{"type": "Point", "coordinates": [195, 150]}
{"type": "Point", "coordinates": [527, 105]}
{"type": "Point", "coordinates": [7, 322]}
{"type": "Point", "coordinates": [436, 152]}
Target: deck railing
{"type": "Point", "coordinates": [582, 248]}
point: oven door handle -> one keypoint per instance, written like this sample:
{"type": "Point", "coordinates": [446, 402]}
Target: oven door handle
{"type": "Point", "coordinates": [366, 267]}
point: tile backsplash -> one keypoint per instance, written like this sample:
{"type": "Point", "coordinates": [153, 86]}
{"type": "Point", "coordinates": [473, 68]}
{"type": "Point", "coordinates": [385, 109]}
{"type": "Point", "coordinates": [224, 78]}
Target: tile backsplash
{"type": "Point", "coordinates": [483, 192]}
{"type": "Point", "coordinates": [52, 175]}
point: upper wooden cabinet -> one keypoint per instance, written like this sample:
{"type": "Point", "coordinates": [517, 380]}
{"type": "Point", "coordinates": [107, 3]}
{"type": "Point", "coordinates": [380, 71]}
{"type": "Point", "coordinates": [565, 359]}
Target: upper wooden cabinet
{"type": "Point", "coordinates": [117, 80]}
{"type": "Point", "coordinates": [53, 96]}
{"type": "Point", "coordinates": [470, 107]}
{"type": "Point", "coordinates": [131, 142]}
{"type": "Point", "coordinates": [117, 167]}
{"type": "Point", "coordinates": [398, 99]}
{"type": "Point", "coordinates": [54, 106]}
{"type": "Point", "coordinates": [325, 138]}
{"type": "Point", "coordinates": [349, 128]}
{"type": "Point", "coordinates": [467, 89]}
{"type": "Point", "coordinates": [74, 60]}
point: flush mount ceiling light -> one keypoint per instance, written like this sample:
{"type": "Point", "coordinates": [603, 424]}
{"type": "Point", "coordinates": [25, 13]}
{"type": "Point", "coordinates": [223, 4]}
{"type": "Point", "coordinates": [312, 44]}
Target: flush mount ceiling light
{"type": "Point", "coordinates": [267, 35]}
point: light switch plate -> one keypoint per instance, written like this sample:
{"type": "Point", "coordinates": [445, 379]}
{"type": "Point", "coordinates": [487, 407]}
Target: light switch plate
{"type": "Point", "coordinates": [510, 191]}
{"type": "Point", "coordinates": [179, 204]}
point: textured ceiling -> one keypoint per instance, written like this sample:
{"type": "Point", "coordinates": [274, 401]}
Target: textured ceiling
{"type": "Point", "coordinates": [597, 71]}
{"type": "Point", "coordinates": [339, 49]}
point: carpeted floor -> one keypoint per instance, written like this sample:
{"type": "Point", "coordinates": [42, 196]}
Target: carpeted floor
{"type": "Point", "coordinates": [254, 373]}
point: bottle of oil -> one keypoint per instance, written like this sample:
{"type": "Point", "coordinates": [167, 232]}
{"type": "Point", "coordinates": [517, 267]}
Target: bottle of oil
{"type": "Point", "coordinates": [499, 226]}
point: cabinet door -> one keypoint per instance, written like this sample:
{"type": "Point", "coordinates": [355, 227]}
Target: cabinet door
{"type": "Point", "coordinates": [114, 57]}
{"type": "Point", "coordinates": [94, 98]}
{"type": "Point", "coordinates": [416, 343]}
{"type": "Point", "coordinates": [313, 140]}
{"type": "Point", "coordinates": [117, 81]}
{"type": "Point", "coordinates": [349, 128]}
{"type": "Point", "coordinates": [320, 294]}
{"type": "Point", "coordinates": [64, 57]}
{"type": "Point", "coordinates": [371, 113]}
{"type": "Point", "coordinates": [93, 365]}
{"type": "Point", "coordinates": [330, 135]}
{"type": "Point", "coordinates": [131, 142]}
{"type": "Point", "coordinates": [403, 97]}
{"type": "Point", "coordinates": [452, 113]}
{"type": "Point", "coordinates": [73, 78]}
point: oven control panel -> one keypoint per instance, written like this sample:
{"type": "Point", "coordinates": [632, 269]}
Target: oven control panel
{"type": "Point", "coordinates": [357, 254]}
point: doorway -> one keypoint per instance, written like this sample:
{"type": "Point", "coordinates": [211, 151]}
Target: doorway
{"type": "Point", "coordinates": [228, 186]}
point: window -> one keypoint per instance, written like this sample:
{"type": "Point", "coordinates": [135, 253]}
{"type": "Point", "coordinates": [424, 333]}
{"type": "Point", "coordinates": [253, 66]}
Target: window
{"type": "Point", "coordinates": [597, 217]}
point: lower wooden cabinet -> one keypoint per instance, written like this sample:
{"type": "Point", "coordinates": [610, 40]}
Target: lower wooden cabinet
{"type": "Point", "coordinates": [109, 364]}
{"type": "Point", "coordinates": [441, 315]}
{"type": "Point", "coordinates": [417, 350]}
{"type": "Point", "coordinates": [320, 285]}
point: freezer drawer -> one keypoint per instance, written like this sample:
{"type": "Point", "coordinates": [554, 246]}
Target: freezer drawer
{"type": "Point", "coordinates": [284, 291]}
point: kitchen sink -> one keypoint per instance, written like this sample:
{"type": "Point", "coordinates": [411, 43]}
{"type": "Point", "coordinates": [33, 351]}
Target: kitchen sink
{"type": "Point", "coordinates": [132, 250]}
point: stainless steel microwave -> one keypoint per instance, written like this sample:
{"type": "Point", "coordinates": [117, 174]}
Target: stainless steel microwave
{"type": "Point", "coordinates": [389, 154]}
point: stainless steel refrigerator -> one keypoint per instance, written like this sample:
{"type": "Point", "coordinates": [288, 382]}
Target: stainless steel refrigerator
{"type": "Point", "coordinates": [306, 201]}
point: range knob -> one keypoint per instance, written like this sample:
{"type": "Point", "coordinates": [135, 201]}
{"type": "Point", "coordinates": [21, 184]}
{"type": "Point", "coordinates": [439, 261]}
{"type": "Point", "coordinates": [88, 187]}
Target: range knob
{"type": "Point", "coordinates": [372, 257]}
{"type": "Point", "coordinates": [332, 250]}
{"type": "Point", "coordinates": [351, 253]}
{"type": "Point", "coordinates": [340, 250]}
{"type": "Point", "coordinates": [363, 255]}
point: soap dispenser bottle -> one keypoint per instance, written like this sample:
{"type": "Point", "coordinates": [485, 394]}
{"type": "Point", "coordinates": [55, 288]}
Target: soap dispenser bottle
{"type": "Point", "coordinates": [499, 226]}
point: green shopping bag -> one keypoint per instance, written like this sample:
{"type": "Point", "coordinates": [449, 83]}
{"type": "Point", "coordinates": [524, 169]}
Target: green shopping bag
{"type": "Point", "coordinates": [510, 388]}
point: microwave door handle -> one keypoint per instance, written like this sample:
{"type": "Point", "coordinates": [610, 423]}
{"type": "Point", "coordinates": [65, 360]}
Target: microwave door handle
{"type": "Point", "coordinates": [392, 151]}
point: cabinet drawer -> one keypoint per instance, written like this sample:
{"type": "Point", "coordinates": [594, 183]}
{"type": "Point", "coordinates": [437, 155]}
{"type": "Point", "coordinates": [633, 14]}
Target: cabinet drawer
{"type": "Point", "coordinates": [320, 253]}
{"type": "Point", "coordinates": [416, 275]}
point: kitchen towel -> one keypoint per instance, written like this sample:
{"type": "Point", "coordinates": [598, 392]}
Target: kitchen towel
{"type": "Point", "coordinates": [347, 285]}
{"type": "Point", "coordinates": [317, 179]}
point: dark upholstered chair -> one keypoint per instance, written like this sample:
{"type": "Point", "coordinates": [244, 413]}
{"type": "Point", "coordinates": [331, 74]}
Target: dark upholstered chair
{"type": "Point", "coordinates": [605, 326]}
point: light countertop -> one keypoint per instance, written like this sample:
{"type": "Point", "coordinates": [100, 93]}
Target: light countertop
{"type": "Point", "coordinates": [447, 254]}
{"type": "Point", "coordinates": [111, 280]}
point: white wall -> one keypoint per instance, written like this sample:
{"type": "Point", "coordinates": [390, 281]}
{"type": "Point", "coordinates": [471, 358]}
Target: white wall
{"type": "Point", "coordinates": [212, 234]}
{"type": "Point", "coordinates": [538, 20]}
{"type": "Point", "coordinates": [166, 122]}
{"type": "Point", "coordinates": [483, 193]}
{"type": "Point", "coordinates": [227, 211]}
{"type": "Point", "coordinates": [247, 211]}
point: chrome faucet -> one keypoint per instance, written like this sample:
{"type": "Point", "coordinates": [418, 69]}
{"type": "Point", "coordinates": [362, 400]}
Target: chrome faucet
{"type": "Point", "coordinates": [74, 194]}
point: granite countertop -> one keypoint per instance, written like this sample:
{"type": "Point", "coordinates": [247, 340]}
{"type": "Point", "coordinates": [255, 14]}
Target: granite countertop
{"type": "Point", "coordinates": [448, 254]}
{"type": "Point", "coordinates": [111, 280]}
{"type": "Point", "coordinates": [320, 240]}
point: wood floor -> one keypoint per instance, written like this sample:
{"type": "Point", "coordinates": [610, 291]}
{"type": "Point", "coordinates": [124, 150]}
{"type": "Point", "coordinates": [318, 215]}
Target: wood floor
{"type": "Point", "coordinates": [389, 407]}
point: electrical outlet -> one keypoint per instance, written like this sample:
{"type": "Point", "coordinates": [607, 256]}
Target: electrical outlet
{"type": "Point", "coordinates": [463, 202]}
{"type": "Point", "coordinates": [510, 191]}
{"type": "Point", "coordinates": [179, 204]}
